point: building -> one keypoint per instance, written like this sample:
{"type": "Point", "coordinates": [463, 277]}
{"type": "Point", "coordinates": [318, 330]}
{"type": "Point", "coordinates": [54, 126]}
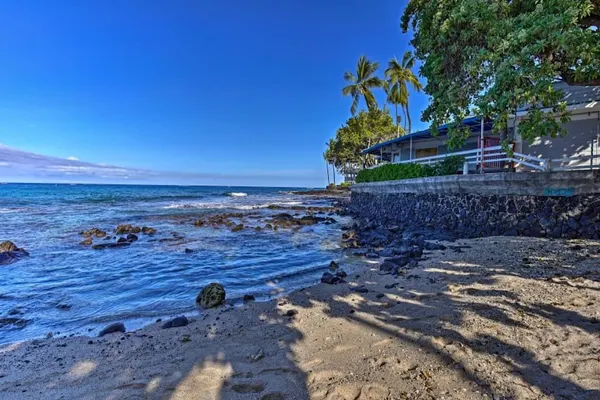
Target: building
{"type": "Point", "coordinates": [578, 149]}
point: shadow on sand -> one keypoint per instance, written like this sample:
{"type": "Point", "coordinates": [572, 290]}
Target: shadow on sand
{"type": "Point", "coordinates": [454, 327]}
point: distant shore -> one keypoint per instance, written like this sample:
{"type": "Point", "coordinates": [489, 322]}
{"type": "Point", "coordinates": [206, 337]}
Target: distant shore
{"type": "Point", "coordinates": [337, 192]}
{"type": "Point", "coordinates": [476, 319]}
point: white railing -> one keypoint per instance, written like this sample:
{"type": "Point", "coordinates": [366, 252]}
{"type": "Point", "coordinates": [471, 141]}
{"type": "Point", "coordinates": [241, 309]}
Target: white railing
{"type": "Point", "coordinates": [495, 157]}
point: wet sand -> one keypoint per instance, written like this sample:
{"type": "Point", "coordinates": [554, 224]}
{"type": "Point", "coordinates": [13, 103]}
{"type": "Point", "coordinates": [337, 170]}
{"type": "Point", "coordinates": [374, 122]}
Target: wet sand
{"type": "Point", "coordinates": [504, 318]}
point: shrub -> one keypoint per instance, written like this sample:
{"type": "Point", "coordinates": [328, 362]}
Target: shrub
{"type": "Point", "coordinates": [449, 165]}
{"type": "Point", "coordinates": [394, 172]}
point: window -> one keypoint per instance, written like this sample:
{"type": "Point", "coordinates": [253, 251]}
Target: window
{"type": "Point", "coordinates": [430, 152]}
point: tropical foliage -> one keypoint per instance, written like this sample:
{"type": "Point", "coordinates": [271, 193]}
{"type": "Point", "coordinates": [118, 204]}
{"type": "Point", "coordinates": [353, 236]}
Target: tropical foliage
{"type": "Point", "coordinates": [359, 132]}
{"type": "Point", "coordinates": [362, 84]}
{"type": "Point", "coordinates": [399, 75]}
{"type": "Point", "coordinates": [493, 56]}
{"type": "Point", "coordinates": [393, 172]}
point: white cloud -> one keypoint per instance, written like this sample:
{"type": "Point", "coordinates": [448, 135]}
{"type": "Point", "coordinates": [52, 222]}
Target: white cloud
{"type": "Point", "coordinates": [23, 166]}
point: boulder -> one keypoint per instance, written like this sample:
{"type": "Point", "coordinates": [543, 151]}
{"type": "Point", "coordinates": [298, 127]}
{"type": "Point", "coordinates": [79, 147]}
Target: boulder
{"type": "Point", "coordinates": [387, 266]}
{"type": "Point", "coordinates": [340, 273]}
{"type": "Point", "coordinates": [132, 237]}
{"type": "Point", "coordinates": [7, 245]}
{"type": "Point", "coordinates": [333, 266]}
{"type": "Point", "coordinates": [93, 232]}
{"type": "Point", "coordinates": [10, 253]}
{"type": "Point", "coordinates": [86, 242]}
{"type": "Point", "coordinates": [237, 228]}
{"type": "Point", "coordinates": [176, 322]}
{"type": "Point", "coordinates": [102, 246]}
{"type": "Point", "coordinates": [13, 322]}
{"type": "Point", "coordinates": [148, 231]}
{"type": "Point", "coordinates": [248, 297]}
{"type": "Point", "coordinates": [360, 289]}
{"type": "Point", "coordinates": [123, 229]}
{"type": "Point", "coordinates": [112, 328]}
{"type": "Point", "coordinates": [331, 279]}
{"type": "Point", "coordinates": [188, 251]}
{"type": "Point", "coordinates": [211, 296]}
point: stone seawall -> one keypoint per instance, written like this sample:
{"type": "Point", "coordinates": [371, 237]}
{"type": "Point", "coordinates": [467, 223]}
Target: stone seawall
{"type": "Point", "coordinates": [467, 215]}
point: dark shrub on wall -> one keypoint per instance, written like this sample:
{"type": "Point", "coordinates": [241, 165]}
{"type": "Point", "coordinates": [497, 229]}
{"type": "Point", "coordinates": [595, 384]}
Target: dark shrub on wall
{"type": "Point", "coordinates": [393, 172]}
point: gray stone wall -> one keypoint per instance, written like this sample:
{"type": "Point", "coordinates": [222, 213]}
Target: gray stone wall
{"type": "Point", "coordinates": [474, 215]}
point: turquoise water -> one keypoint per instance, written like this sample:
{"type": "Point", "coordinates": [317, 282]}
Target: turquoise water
{"type": "Point", "coordinates": [150, 278]}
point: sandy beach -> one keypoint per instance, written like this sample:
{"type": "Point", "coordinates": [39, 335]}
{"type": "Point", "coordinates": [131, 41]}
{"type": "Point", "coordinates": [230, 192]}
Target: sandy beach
{"type": "Point", "coordinates": [492, 318]}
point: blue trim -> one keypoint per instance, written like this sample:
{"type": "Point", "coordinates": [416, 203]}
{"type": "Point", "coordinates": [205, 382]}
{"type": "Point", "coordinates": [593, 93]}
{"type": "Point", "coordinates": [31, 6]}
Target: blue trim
{"type": "Point", "coordinates": [474, 123]}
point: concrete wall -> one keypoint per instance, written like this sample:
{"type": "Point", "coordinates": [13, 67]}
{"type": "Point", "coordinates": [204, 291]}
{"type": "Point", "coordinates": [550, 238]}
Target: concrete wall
{"type": "Point", "coordinates": [556, 204]}
{"type": "Point", "coordinates": [504, 183]}
{"type": "Point", "coordinates": [581, 138]}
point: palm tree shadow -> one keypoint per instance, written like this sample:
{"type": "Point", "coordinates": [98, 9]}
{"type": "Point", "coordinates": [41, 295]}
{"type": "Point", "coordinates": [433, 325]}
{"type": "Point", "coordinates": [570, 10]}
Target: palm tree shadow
{"type": "Point", "coordinates": [434, 318]}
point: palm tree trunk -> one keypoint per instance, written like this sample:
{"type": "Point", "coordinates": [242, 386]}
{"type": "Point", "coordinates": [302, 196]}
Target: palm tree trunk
{"type": "Point", "coordinates": [397, 123]}
{"type": "Point", "coordinates": [408, 118]}
{"type": "Point", "coordinates": [405, 119]}
{"type": "Point", "coordinates": [333, 172]}
{"type": "Point", "coordinates": [327, 167]}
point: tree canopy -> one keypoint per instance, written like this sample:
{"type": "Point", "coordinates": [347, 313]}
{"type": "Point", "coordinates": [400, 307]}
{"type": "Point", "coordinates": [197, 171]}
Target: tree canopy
{"type": "Point", "coordinates": [359, 132]}
{"type": "Point", "coordinates": [492, 56]}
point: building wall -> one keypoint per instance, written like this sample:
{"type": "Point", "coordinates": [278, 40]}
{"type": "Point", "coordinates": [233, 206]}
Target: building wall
{"type": "Point", "coordinates": [581, 139]}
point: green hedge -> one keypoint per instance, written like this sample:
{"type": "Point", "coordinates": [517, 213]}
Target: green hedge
{"type": "Point", "coordinates": [393, 172]}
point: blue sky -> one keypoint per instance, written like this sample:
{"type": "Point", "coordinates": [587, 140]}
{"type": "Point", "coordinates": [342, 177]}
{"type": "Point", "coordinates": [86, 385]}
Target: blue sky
{"type": "Point", "coordinates": [199, 92]}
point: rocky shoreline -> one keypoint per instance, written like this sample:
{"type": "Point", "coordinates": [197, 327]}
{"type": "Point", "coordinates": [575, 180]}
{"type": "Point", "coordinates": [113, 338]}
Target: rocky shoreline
{"type": "Point", "coordinates": [423, 315]}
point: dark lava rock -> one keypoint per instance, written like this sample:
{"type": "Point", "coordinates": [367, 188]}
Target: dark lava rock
{"type": "Point", "coordinates": [132, 237]}
{"type": "Point", "coordinates": [360, 289]}
{"type": "Point", "coordinates": [102, 246]}
{"type": "Point", "coordinates": [99, 233]}
{"type": "Point", "coordinates": [433, 246]}
{"type": "Point", "coordinates": [113, 328]}
{"type": "Point", "coordinates": [237, 228]}
{"type": "Point", "coordinates": [333, 266]}
{"type": "Point", "coordinates": [9, 252]}
{"type": "Point", "coordinates": [379, 295]}
{"type": "Point", "coordinates": [388, 252]}
{"type": "Point", "coordinates": [342, 274]}
{"type": "Point", "coordinates": [387, 266]}
{"type": "Point", "coordinates": [188, 251]}
{"type": "Point", "coordinates": [86, 242]}
{"type": "Point", "coordinates": [148, 231]}
{"type": "Point", "coordinates": [331, 279]}
{"type": "Point", "coordinates": [248, 297]}
{"type": "Point", "coordinates": [291, 313]}
{"type": "Point", "coordinates": [8, 246]}
{"type": "Point", "coordinates": [18, 323]}
{"type": "Point", "coordinates": [211, 296]}
{"type": "Point", "coordinates": [124, 229]}
{"type": "Point", "coordinates": [176, 322]}
{"type": "Point", "coordinates": [123, 240]}
{"type": "Point", "coordinates": [64, 307]}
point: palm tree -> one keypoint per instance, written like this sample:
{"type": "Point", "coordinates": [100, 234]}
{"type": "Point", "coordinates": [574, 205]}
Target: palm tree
{"type": "Point", "coordinates": [394, 97]}
{"type": "Point", "coordinates": [327, 166]}
{"type": "Point", "coordinates": [362, 83]}
{"type": "Point", "coordinates": [400, 75]}
{"type": "Point", "coordinates": [328, 155]}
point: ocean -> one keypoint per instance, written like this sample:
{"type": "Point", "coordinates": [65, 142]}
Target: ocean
{"type": "Point", "coordinates": [67, 288]}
